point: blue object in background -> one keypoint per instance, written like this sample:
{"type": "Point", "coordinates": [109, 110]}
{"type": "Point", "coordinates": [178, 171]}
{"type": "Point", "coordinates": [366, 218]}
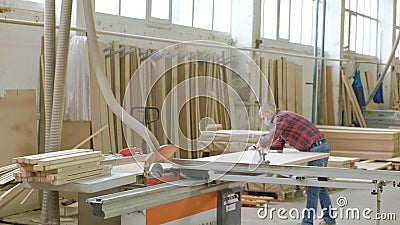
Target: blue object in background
{"type": "Point", "coordinates": [378, 97]}
{"type": "Point", "coordinates": [358, 88]}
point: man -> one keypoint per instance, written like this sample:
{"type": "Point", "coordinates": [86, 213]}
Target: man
{"type": "Point", "coordinates": [291, 128]}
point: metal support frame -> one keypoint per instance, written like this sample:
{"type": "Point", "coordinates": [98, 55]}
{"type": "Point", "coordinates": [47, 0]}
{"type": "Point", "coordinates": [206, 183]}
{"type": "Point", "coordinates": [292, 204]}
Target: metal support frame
{"type": "Point", "coordinates": [296, 175]}
{"type": "Point", "coordinates": [122, 203]}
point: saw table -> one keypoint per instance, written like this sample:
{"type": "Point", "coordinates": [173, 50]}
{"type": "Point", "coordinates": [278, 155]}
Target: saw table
{"type": "Point", "coordinates": [208, 189]}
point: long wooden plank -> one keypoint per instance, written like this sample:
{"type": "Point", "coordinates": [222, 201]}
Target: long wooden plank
{"type": "Point", "coordinates": [289, 157]}
{"type": "Point", "coordinates": [111, 125]}
{"type": "Point", "coordinates": [364, 83]}
{"type": "Point", "coordinates": [291, 86]}
{"type": "Point", "coordinates": [103, 107]}
{"type": "Point", "coordinates": [281, 103]}
{"type": "Point", "coordinates": [95, 107]}
{"type": "Point", "coordinates": [8, 168]}
{"type": "Point", "coordinates": [357, 129]}
{"type": "Point", "coordinates": [372, 165]}
{"type": "Point", "coordinates": [76, 173]}
{"type": "Point", "coordinates": [299, 89]}
{"type": "Point", "coordinates": [325, 97]}
{"type": "Point", "coordinates": [84, 176]}
{"type": "Point", "coordinates": [69, 158]}
{"type": "Point", "coordinates": [126, 68]}
{"type": "Point", "coordinates": [284, 83]}
{"type": "Point", "coordinates": [94, 134]}
{"type": "Point", "coordinates": [371, 80]}
{"type": "Point", "coordinates": [117, 93]}
{"type": "Point", "coordinates": [175, 100]}
{"type": "Point", "coordinates": [252, 197]}
{"type": "Point", "coordinates": [67, 164]}
{"type": "Point", "coordinates": [27, 159]}
{"type": "Point", "coordinates": [346, 105]}
{"type": "Point", "coordinates": [395, 160]}
{"type": "Point", "coordinates": [74, 167]}
{"type": "Point", "coordinates": [329, 96]}
{"type": "Point", "coordinates": [272, 77]}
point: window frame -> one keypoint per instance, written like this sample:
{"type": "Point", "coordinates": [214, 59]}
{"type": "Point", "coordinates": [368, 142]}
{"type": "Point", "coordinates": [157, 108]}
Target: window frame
{"type": "Point", "coordinates": [364, 16]}
{"type": "Point", "coordinates": [154, 20]}
{"type": "Point", "coordinates": [278, 24]}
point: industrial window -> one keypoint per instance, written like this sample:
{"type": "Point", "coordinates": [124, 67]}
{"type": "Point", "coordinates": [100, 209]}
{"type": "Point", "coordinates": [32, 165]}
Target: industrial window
{"type": "Point", "coordinates": [126, 8]}
{"type": "Point", "coordinates": [361, 26]}
{"type": "Point", "coordinates": [204, 14]}
{"type": "Point", "coordinates": [290, 20]}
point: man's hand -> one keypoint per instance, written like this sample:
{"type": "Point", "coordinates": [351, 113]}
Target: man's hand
{"type": "Point", "coordinates": [251, 148]}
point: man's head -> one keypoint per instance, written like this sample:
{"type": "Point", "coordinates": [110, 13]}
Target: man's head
{"type": "Point", "coordinates": [267, 111]}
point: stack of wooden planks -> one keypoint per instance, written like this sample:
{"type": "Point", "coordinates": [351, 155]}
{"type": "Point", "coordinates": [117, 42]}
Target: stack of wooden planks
{"type": "Point", "coordinates": [395, 163]}
{"type": "Point", "coordinates": [7, 173]}
{"type": "Point", "coordinates": [363, 143]}
{"type": "Point", "coordinates": [61, 167]}
{"type": "Point", "coordinates": [342, 162]}
{"type": "Point", "coordinates": [286, 83]}
{"type": "Point", "coordinates": [227, 141]}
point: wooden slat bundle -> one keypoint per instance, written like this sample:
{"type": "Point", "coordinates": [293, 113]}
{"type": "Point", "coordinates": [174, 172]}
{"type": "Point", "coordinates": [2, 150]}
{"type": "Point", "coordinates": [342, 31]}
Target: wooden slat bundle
{"type": "Point", "coordinates": [364, 143]}
{"type": "Point", "coordinates": [6, 173]}
{"type": "Point", "coordinates": [61, 167]}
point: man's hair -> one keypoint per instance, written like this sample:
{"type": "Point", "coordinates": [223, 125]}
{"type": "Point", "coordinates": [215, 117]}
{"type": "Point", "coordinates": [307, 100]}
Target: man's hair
{"type": "Point", "coordinates": [267, 107]}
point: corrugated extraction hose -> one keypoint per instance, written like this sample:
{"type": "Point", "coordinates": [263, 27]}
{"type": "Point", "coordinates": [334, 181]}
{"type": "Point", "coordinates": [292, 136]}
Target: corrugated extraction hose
{"type": "Point", "coordinates": [49, 68]}
{"type": "Point", "coordinates": [51, 214]}
{"type": "Point", "coordinates": [105, 88]}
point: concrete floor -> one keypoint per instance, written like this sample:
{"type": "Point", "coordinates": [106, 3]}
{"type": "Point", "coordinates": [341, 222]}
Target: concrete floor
{"type": "Point", "coordinates": [360, 199]}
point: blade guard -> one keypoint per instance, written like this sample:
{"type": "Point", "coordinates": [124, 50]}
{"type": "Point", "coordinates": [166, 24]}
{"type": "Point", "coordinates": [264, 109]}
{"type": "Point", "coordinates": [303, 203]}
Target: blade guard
{"type": "Point", "coordinates": [165, 152]}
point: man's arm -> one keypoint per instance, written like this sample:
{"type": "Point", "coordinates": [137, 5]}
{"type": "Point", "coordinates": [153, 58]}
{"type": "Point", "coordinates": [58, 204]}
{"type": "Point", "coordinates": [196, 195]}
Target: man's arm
{"type": "Point", "coordinates": [273, 140]}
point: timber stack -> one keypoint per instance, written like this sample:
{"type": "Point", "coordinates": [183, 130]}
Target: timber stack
{"type": "Point", "coordinates": [61, 167]}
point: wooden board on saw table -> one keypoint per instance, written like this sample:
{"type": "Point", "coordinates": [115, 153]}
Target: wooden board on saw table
{"type": "Point", "coordinates": [252, 157]}
{"type": "Point", "coordinates": [394, 160]}
{"type": "Point", "coordinates": [372, 165]}
{"type": "Point", "coordinates": [335, 161]}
